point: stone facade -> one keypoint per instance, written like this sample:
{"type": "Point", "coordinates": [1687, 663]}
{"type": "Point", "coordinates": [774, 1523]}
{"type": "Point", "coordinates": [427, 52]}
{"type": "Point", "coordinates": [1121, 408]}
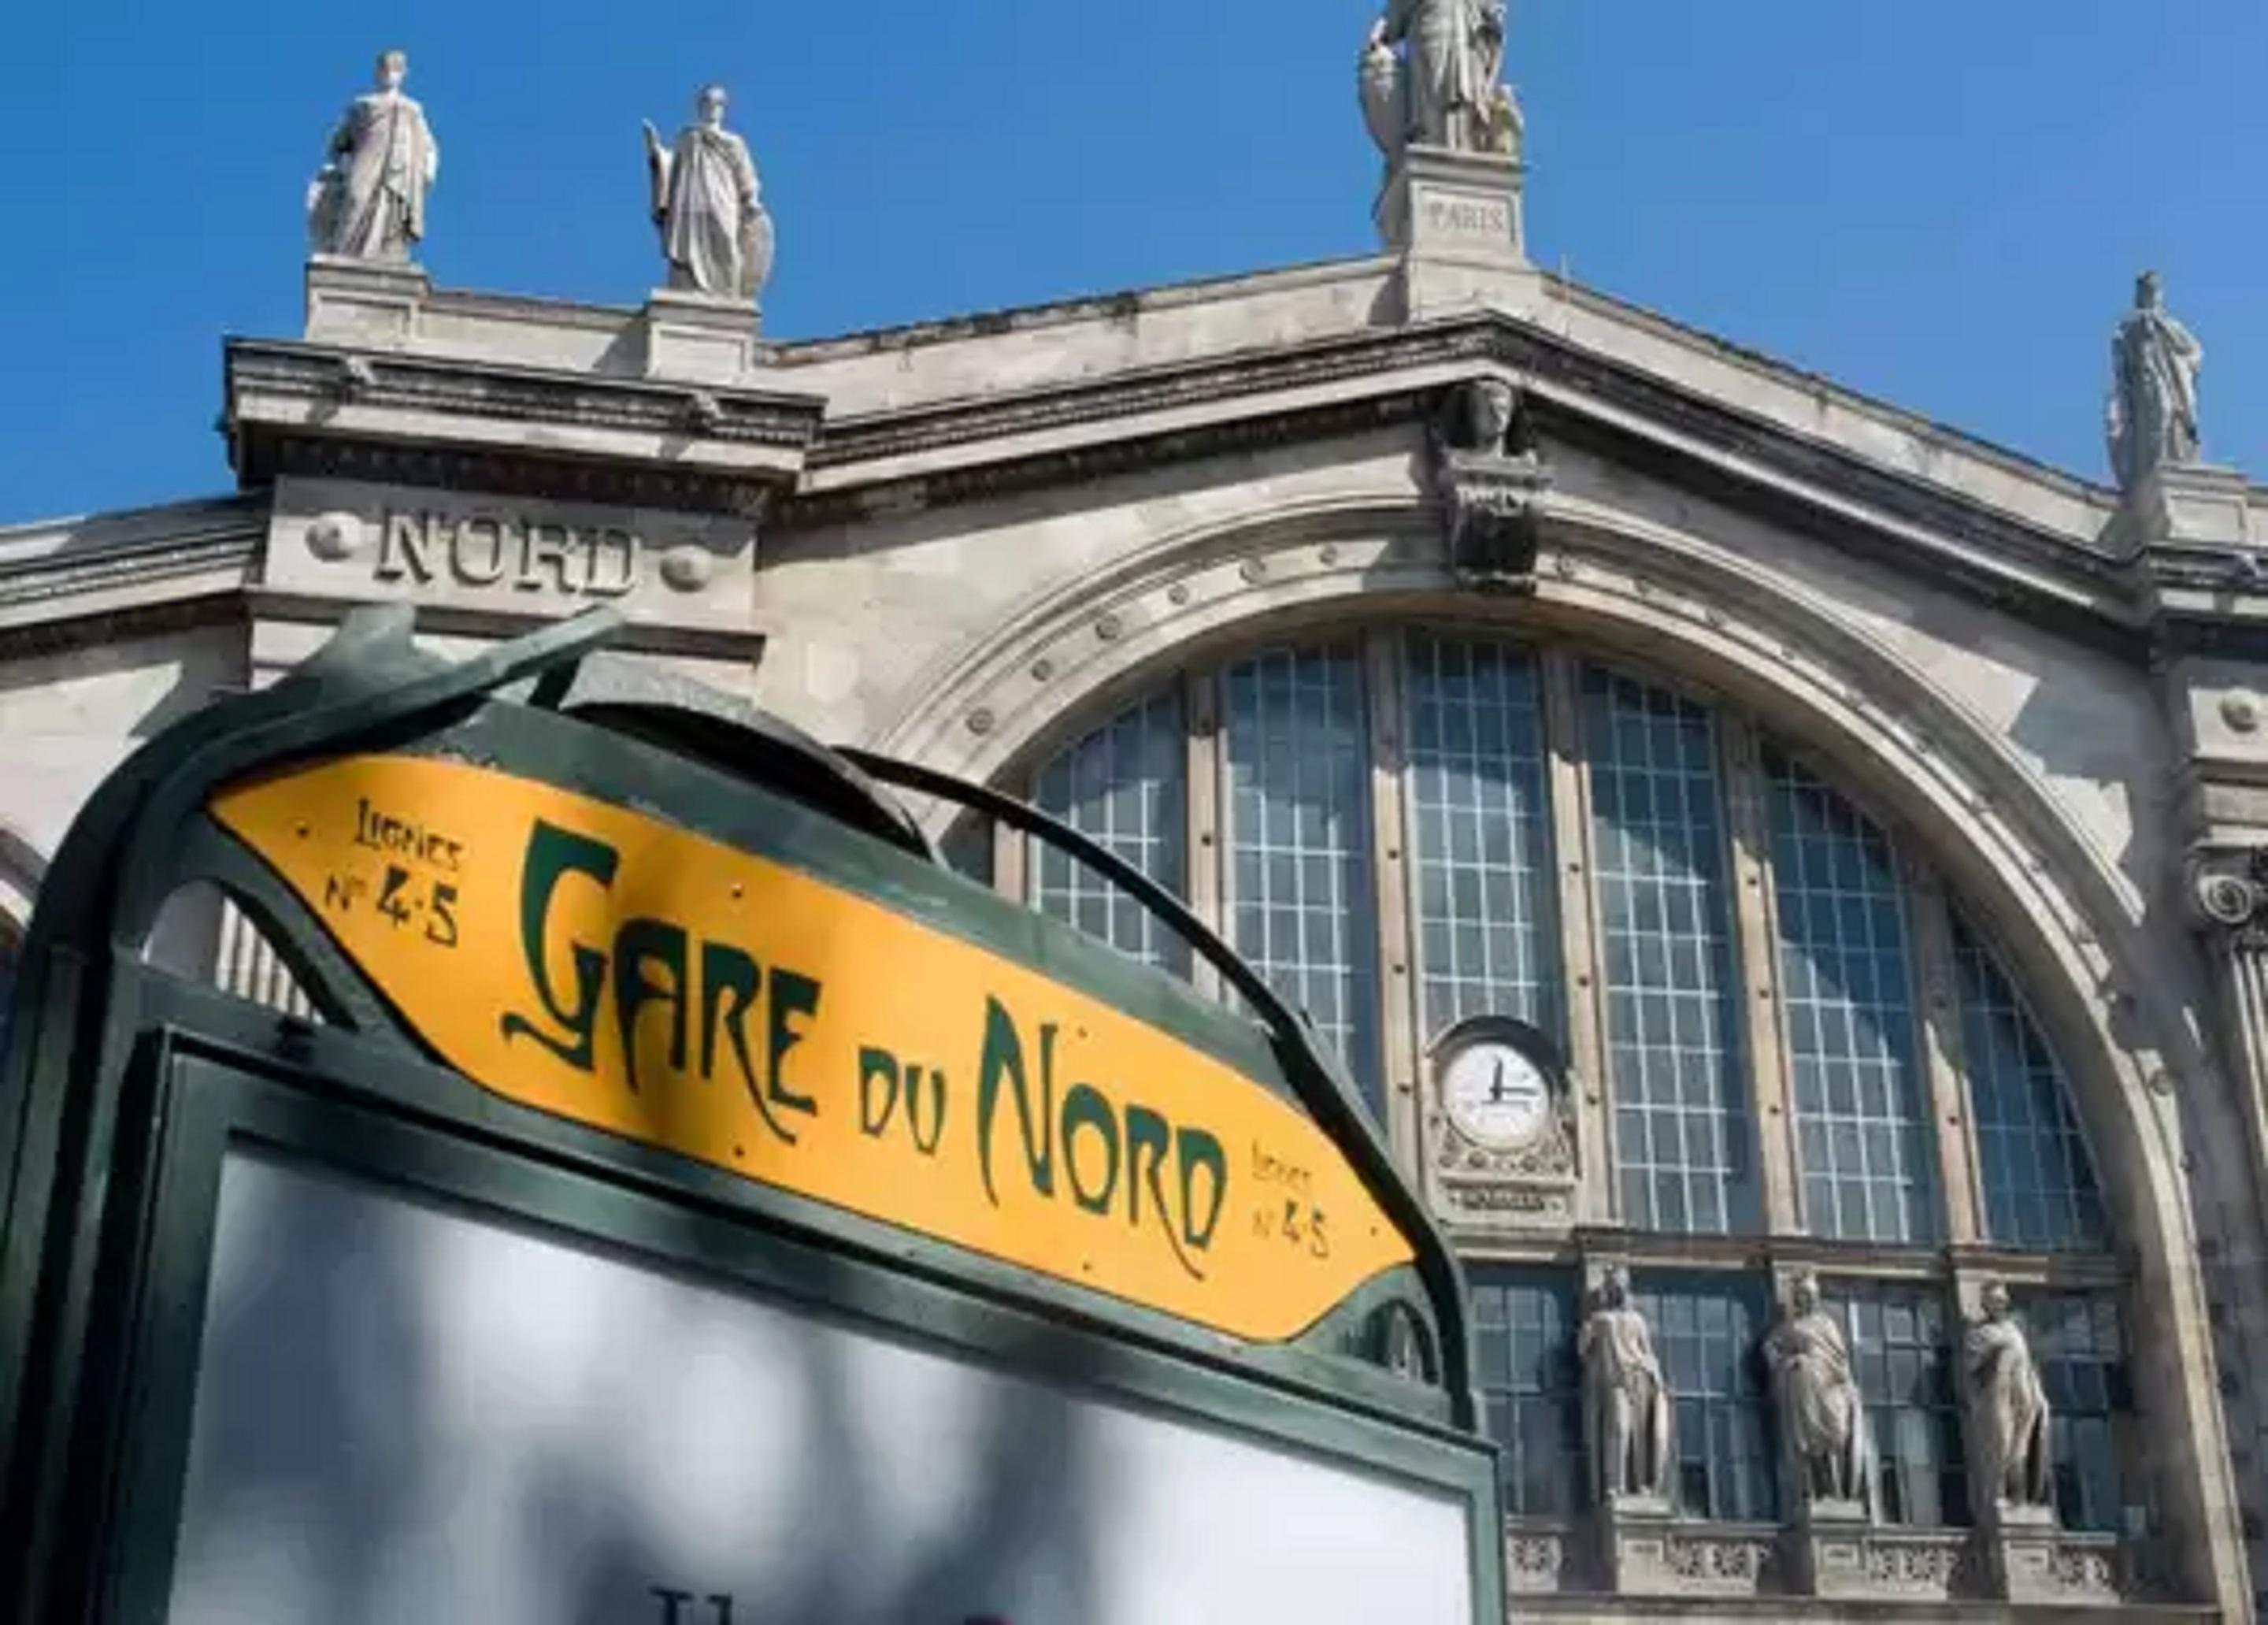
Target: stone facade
{"type": "Point", "coordinates": [962, 542]}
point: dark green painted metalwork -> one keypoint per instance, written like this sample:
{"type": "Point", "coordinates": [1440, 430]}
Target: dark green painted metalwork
{"type": "Point", "coordinates": [1321, 1082]}
{"type": "Point", "coordinates": [120, 1088]}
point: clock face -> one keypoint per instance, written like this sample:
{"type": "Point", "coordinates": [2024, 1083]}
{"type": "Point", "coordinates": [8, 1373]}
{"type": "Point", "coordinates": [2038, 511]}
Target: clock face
{"type": "Point", "coordinates": [1494, 1093]}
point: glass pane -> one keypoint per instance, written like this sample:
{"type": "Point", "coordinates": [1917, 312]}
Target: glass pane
{"type": "Point", "coordinates": [1301, 874]}
{"type": "Point", "coordinates": [2039, 1180]}
{"type": "Point", "coordinates": [1485, 910]}
{"type": "Point", "coordinates": [1658, 809]}
{"type": "Point", "coordinates": [1123, 784]}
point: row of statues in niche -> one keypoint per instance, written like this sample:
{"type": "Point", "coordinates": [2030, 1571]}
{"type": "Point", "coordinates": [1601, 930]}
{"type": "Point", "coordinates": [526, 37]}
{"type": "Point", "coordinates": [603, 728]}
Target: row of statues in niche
{"type": "Point", "coordinates": [1630, 1421]}
{"type": "Point", "coordinates": [368, 200]}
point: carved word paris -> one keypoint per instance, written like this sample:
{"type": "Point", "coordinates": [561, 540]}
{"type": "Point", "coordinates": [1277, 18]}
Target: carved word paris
{"type": "Point", "coordinates": [533, 555]}
{"type": "Point", "coordinates": [1468, 219]}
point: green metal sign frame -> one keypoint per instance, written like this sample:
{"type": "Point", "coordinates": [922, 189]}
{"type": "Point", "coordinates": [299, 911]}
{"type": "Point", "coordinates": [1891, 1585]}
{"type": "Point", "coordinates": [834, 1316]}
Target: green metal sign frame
{"type": "Point", "coordinates": [122, 1088]}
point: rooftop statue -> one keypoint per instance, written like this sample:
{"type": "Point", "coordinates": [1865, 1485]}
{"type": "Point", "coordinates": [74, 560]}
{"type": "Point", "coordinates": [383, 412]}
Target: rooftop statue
{"type": "Point", "coordinates": [2153, 394]}
{"type": "Point", "coordinates": [1432, 73]}
{"type": "Point", "coordinates": [368, 201]}
{"type": "Point", "coordinates": [714, 231]}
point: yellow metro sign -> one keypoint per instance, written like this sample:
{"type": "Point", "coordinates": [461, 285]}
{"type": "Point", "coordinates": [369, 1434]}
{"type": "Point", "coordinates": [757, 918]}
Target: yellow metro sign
{"type": "Point", "coordinates": [608, 967]}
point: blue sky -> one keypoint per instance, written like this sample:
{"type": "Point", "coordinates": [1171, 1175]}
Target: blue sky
{"type": "Point", "coordinates": [1939, 202]}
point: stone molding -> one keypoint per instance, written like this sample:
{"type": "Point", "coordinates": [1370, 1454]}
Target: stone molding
{"type": "Point", "coordinates": [317, 374]}
{"type": "Point", "coordinates": [2229, 889]}
{"type": "Point", "coordinates": [227, 549]}
{"type": "Point", "coordinates": [320, 411]}
{"type": "Point", "coordinates": [1576, 393]}
{"type": "Point", "coordinates": [1537, 1560]}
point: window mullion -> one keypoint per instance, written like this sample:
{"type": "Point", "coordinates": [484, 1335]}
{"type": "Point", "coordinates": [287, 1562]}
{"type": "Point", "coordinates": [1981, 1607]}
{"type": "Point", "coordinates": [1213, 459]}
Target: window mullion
{"type": "Point", "coordinates": [1202, 802]}
{"type": "Point", "coordinates": [1937, 1014]}
{"type": "Point", "coordinates": [1399, 1040]}
{"type": "Point", "coordinates": [1581, 976]}
{"type": "Point", "coordinates": [1015, 869]}
{"type": "Point", "coordinates": [1757, 942]}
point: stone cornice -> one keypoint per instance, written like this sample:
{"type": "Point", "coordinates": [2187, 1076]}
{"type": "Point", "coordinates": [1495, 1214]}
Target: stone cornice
{"type": "Point", "coordinates": [325, 410]}
{"type": "Point", "coordinates": [969, 450]}
{"type": "Point", "coordinates": [1482, 338]}
{"type": "Point", "coordinates": [323, 374]}
{"type": "Point", "coordinates": [124, 563]}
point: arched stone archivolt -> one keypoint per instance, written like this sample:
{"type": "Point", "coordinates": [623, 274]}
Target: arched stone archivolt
{"type": "Point", "coordinates": [2089, 949]}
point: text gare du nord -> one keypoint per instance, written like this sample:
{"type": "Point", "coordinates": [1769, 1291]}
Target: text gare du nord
{"type": "Point", "coordinates": [1107, 1150]}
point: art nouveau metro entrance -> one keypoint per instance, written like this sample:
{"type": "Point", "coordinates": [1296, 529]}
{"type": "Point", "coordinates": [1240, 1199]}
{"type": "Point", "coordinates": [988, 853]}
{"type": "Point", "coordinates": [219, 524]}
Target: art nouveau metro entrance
{"type": "Point", "coordinates": [692, 1202]}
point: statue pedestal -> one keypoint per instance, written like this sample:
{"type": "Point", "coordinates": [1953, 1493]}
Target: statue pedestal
{"type": "Point", "coordinates": [2019, 1554]}
{"type": "Point", "coordinates": [368, 303]}
{"type": "Point", "coordinates": [1827, 1550]}
{"type": "Point", "coordinates": [1440, 202]}
{"type": "Point", "coordinates": [2193, 505]}
{"type": "Point", "coordinates": [1634, 1532]}
{"type": "Point", "coordinates": [698, 338]}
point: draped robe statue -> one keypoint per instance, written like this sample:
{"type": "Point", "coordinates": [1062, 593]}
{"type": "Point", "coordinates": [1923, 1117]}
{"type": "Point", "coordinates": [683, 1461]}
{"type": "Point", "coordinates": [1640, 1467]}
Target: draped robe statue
{"type": "Point", "coordinates": [1445, 91]}
{"type": "Point", "coordinates": [1820, 1412]}
{"type": "Point", "coordinates": [369, 201]}
{"type": "Point", "coordinates": [2152, 415]}
{"type": "Point", "coordinates": [1625, 1401]}
{"type": "Point", "coordinates": [2009, 1408]}
{"type": "Point", "coordinates": [714, 233]}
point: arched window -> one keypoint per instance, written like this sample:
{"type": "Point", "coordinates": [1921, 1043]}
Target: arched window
{"type": "Point", "coordinates": [1403, 828]}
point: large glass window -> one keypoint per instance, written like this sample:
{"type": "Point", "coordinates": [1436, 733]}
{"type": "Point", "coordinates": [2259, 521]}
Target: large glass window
{"type": "Point", "coordinates": [1683, 1139]}
{"type": "Point", "coordinates": [1715, 889]}
{"type": "Point", "coordinates": [1903, 1358]}
{"type": "Point", "coordinates": [1531, 1386]}
{"type": "Point", "coordinates": [1301, 880]}
{"type": "Point", "coordinates": [2081, 1352]}
{"type": "Point", "coordinates": [1488, 936]}
{"type": "Point", "coordinates": [2039, 1182]}
{"type": "Point", "coordinates": [1706, 1329]}
{"type": "Point", "coordinates": [1125, 785]}
{"type": "Point", "coordinates": [1846, 996]}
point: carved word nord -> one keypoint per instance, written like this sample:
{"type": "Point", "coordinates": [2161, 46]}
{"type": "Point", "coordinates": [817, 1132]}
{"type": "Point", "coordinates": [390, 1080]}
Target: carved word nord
{"type": "Point", "coordinates": [532, 555]}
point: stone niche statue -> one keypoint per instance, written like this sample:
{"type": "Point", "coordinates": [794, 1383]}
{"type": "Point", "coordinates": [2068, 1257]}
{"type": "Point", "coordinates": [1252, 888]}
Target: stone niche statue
{"type": "Point", "coordinates": [1625, 1401]}
{"type": "Point", "coordinates": [2153, 411]}
{"type": "Point", "coordinates": [714, 231]}
{"type": "Point", "coordinates": [1823, 1418]}
{"type": "Point", "coordinates": [1432, 73]}
{"type": "Point", "coordinates": [2008, 1408]}
{"type": "Point", "coordinates": [368, 201]}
